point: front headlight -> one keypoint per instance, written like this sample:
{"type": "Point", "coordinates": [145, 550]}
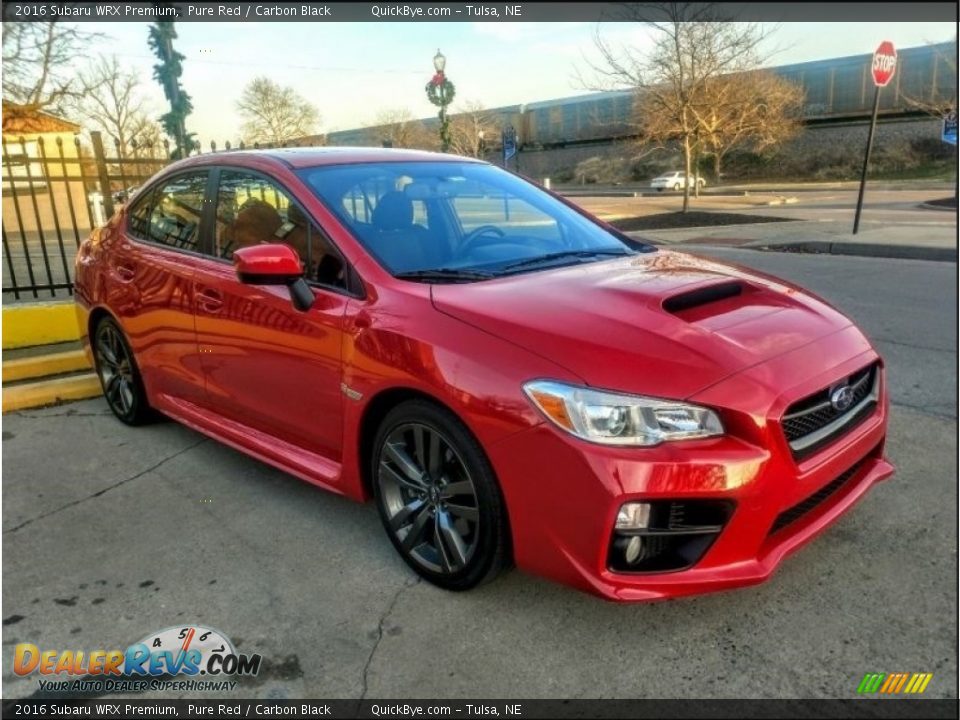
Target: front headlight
{"type": "Point", "coordinates": [615, 419]}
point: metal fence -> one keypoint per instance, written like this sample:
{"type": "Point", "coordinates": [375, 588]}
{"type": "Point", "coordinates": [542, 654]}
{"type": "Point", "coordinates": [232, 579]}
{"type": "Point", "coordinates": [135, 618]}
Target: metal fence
{"type": "Point", "coordinates": [55, 191]}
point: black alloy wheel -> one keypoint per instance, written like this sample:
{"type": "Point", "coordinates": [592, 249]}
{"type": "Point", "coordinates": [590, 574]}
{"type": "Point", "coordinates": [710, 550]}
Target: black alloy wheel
{"type": "Point", "coordinates": [438, 498]}
{"type": "Point", "coordinates": [119, 375]}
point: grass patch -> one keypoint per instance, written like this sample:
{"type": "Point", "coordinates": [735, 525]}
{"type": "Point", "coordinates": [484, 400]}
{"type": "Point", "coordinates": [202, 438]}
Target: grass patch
{"type": "Point", "coordinates": [666, 221]}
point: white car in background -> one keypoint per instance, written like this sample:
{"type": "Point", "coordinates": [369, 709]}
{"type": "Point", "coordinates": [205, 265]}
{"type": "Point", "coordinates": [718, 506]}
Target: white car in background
{"type": "Point", "coordinates": [674, 181]}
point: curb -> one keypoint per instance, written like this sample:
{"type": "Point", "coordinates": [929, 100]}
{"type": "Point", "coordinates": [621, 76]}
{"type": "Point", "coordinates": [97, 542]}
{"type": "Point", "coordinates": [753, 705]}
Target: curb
{"type": "Point", "coordinates": [876, 250]}
{"type": "Point", "coordinates": [31, 368]}
{"type": "Point", "coordinates": [50, 392]}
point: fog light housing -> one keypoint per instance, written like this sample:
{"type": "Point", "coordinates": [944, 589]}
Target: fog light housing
{"type": "Point", "coordinates": [665, 535]}
{"type": "Point", "coordinates": [634, 547]}
{"type": "Point", "coordinates": [633, 516]}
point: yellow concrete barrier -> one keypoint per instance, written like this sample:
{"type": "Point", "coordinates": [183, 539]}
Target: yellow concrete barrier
{"type": "Point", "coordinates": [45, 365]}
{"type": "Point", "coordinates": [41, 323]}
{"type": "Point", "coordinates": [50, 392]}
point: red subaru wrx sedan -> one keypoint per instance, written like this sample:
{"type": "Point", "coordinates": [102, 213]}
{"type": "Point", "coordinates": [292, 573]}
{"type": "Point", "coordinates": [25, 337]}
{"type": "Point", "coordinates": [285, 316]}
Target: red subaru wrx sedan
{"type": "Point", "coordinates": [511, 379]}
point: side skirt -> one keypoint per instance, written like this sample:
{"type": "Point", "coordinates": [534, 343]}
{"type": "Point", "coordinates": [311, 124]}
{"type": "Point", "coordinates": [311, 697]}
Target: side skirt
{"type": "Point", "coordinates": [314, 469]}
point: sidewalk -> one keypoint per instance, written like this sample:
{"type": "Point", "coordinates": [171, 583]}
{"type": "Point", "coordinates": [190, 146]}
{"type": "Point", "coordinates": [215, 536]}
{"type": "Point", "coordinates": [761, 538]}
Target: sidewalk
{"type": "Point", "coordinates": [916, 242]}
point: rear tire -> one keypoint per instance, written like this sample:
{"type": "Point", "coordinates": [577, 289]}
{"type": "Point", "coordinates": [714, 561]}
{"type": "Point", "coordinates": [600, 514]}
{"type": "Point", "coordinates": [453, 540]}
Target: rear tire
{"type": "Point", "coordinates": [119, 375]}
{"type": "Point", "coordinates": [676, 188]}
{"type": "Point", "coordinates": [438, 497]}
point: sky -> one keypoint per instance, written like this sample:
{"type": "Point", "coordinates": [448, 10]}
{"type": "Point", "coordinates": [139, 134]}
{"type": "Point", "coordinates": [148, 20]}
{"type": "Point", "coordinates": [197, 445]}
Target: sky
{"type": "Point", "coordinates": [353, 71]}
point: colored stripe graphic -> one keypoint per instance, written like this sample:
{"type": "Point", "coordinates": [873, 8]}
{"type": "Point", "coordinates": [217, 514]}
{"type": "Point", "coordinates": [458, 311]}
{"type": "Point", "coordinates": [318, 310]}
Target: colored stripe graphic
{"type": "Point", "coordinates": [921, 682]}
{"type": "Point", "coordinates": [894, 683]}
{"type": "Point", "coordinates": [871, 682]}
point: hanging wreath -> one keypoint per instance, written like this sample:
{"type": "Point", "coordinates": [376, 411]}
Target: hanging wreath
{"type": "Point", "coordinates": [440, 91]}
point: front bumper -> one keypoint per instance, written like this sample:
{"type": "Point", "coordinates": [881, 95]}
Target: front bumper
{"type": "Point", "coordinates": [563, 494]}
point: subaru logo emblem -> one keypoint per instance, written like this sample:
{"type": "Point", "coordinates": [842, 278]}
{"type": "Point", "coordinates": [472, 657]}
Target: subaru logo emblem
{"type": "Point", "coordinates": [842, 398]}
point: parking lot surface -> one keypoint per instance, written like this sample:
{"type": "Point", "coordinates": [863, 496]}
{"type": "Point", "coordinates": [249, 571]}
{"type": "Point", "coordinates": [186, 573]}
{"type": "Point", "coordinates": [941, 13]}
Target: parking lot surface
{"type": "Point", "coordinates": [112, 532]}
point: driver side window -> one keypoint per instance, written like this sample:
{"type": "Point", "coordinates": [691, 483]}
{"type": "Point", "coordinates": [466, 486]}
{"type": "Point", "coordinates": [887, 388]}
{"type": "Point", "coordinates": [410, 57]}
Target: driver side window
{"type": "Point", "coordinates": [252, 210]}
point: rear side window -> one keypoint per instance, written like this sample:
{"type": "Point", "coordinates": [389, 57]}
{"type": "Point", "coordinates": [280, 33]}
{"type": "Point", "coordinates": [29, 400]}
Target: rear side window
{"type": "Point", "coordinates": [170, 214]}
{"type": "Point", "coordinates": [139, 214]}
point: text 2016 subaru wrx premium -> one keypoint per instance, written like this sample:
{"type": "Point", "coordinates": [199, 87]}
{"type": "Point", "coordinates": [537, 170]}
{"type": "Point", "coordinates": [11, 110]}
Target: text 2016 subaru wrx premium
{"type": "Point", "coordinates": [509, 378]}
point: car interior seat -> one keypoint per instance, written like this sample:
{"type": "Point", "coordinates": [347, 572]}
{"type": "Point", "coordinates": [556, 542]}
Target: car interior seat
{"type": "Point", "coordinates": [401, 244]}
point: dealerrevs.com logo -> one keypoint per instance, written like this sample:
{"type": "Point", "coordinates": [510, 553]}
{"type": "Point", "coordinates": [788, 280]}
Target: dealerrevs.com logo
{"type": "Point", "coordinates": [192, 658]}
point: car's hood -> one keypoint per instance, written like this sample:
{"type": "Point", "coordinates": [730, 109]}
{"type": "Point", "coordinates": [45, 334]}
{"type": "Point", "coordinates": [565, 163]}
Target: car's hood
{"type": "Point", "coordinates": [660, 323]}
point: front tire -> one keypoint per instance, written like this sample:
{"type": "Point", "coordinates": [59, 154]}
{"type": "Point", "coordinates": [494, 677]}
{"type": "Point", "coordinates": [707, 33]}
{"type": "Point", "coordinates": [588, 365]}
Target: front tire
{"type": "Point", "coordinates": [119, 375]}
{"type": "Point", "coordinates": [438, 498]}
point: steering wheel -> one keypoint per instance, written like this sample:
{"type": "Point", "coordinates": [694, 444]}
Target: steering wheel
{"type": "Point", "coordinates": [474, 236]}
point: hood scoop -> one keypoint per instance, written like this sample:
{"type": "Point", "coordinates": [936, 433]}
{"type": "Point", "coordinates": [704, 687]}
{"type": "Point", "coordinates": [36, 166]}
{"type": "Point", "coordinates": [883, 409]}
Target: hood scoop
{"type": "Point", "coordinates": [687, 302]}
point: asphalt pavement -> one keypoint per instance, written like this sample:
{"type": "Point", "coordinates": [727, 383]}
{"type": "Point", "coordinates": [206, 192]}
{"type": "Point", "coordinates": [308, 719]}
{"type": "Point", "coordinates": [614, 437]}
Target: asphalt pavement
{"type": "Point", "coordinates": [895, 222]}
{"type": "Point", "coordinates": [111, 532]}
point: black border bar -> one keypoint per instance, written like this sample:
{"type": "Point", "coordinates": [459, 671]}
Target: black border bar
{"type": "Point", "coordinates": [886, 708]}
{"type": "Point", "coordinates": [520, 11]}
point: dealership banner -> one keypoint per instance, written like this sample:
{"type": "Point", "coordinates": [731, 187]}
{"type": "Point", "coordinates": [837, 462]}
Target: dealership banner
{"type": "Point", "coordinates": [101, 708]}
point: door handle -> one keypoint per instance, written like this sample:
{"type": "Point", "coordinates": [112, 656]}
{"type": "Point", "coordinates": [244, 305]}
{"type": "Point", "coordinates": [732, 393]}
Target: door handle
{"type": "Point", "coordinates": [210, 300]}
{"type": "Point", "coordinates": [125, 272]}
{"type": "Point", "coordinates": [361, 321]}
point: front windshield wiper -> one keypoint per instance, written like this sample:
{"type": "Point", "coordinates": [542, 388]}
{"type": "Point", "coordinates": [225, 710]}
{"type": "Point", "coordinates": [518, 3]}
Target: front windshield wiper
{"type": "Point", "coordinates": [528, 262]}
{"type": "Point", "coordinates": [444, 275]}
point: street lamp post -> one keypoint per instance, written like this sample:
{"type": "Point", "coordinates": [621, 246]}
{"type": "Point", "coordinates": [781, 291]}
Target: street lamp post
{"type": "Point", "coordinates": [440, 92]}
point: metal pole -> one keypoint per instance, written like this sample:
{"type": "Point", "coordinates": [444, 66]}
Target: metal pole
{"type": "Point", "coordinates": [102, 173]}
{"type": "Point", "coordinates": [866, 159]}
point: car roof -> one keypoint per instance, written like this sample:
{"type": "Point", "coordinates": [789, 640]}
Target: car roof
{"type": "Point", "coordinates": [305, 157]}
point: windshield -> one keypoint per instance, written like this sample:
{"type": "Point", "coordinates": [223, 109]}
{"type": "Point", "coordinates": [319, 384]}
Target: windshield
{"type": "Point", "coordinates": [449, 221]}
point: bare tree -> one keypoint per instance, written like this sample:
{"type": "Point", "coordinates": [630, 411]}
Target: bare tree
{"type": "Point", "coordinates": [400, 129]}
{"type": "Point", "coordinates": [693, 44]}
{"type": "Point", "coordinates": [937, 104]}
{"type": "Point", "coordinates": [472, 129]}
{"type": "Point", "coordinates": [111, 101]}
{"type": "Point", "coordinates": [147, 143]}
{"type": "Point", "coordinates": [755, 110]}
{"type": "Point", "coordinates": [274, 113]}
{"type": "Point", "coordinates": [38, 63]}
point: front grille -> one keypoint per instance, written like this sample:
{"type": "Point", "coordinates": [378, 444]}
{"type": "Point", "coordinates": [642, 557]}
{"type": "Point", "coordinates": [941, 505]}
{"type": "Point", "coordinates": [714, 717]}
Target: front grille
{"type": "Point", "coordinates": [792, 514]}
{"type": "Point", "coordinates": [813, 422]}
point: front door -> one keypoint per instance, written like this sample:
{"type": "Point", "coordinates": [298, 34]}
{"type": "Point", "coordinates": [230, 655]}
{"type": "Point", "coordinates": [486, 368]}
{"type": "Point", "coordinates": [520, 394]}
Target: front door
{"type": "Point", "coordinates": [269, 367]}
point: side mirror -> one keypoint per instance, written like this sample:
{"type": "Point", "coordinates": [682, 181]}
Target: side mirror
{"type": "Point", "coordinates": [274, 264]}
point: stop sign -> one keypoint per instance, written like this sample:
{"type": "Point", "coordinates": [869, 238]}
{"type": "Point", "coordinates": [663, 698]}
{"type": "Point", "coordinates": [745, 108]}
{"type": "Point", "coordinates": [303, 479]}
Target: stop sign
{"type": "Point", "coordinates": [884, 64]}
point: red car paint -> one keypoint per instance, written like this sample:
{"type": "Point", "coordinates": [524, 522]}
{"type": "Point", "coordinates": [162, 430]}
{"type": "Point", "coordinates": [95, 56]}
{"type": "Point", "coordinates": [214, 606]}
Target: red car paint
{"type": "Point", "coordinates": [230, 360]}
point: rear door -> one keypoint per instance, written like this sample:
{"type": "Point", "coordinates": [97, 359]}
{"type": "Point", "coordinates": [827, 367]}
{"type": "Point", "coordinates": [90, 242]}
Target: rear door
{"type": "Point", "coordinates": [268, 366]}
{"type": "Point", "coordinates": [152, 267]}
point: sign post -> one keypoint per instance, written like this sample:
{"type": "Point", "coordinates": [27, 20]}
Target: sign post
{"type": "Point", "coordinates": [509, 144]}
{"type": "Point", "coordinates": [883, 68]}
{"type": "Point", "coordinates": [949, 132]}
